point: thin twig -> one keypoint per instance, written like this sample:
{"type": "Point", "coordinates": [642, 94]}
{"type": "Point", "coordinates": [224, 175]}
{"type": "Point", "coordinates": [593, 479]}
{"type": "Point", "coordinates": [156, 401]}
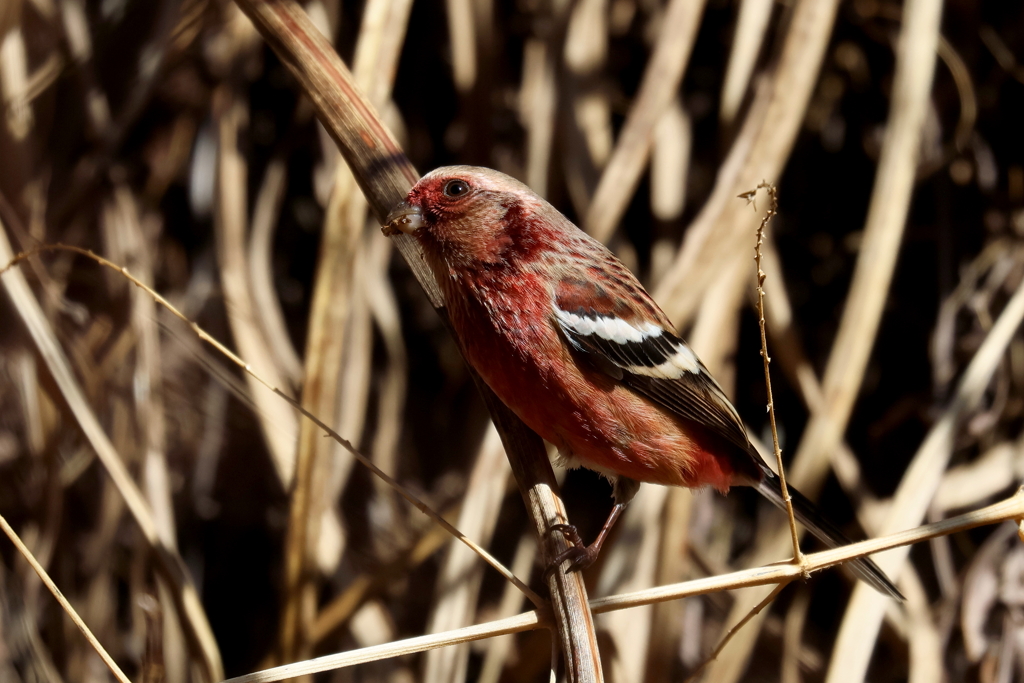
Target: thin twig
{"type": "Point", "coordinates": [735, 629]}
{"type": "Point", "coordinates": [27, 554]}
{"type": "Point", "coordinates": [773, 207]}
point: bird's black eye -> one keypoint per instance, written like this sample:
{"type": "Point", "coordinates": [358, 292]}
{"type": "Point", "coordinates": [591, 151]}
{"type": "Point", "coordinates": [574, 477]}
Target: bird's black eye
{"type": "Point", "coordinates": [456, 188]}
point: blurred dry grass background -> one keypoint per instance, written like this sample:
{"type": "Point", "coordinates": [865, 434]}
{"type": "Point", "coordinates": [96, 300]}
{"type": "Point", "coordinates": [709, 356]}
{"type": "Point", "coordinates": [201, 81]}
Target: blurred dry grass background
{"type": "Point", "coordinates": [166, 136]}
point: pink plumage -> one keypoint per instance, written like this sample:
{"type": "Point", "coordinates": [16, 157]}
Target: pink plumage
{"type": "Point", "coordinates": [568, 339]}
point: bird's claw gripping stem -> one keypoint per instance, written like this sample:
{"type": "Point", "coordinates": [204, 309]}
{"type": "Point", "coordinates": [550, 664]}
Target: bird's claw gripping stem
{"type": "Point", "coordinates": [579, 555]}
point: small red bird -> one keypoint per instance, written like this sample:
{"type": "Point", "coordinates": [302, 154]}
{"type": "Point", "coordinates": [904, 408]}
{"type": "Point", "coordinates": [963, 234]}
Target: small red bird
{"type": "Point", "coordinates": [568, 339]}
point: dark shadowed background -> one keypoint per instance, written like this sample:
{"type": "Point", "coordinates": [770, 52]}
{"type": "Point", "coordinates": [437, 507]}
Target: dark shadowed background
{"type": "Point", "coordinates": [166, 136]}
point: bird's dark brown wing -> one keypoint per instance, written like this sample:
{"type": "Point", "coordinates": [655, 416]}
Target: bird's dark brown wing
{"type": "Point", "coordinates": [639, 351]}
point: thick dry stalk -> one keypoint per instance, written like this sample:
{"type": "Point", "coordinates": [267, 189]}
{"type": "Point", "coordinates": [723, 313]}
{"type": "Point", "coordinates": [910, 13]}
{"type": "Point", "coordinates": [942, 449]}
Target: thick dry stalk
{"type": "Point", "coordinates": [586, 117]}
{"type": "Point", "coordinates": [279, 427]}
{"type": "Point", "coordinates": [632, 565]}
{"type": "Point", "coordinates": [751, 27]}
{"type": "Point", "coordinates": [385, 175]}
{"type": "Point", "coordinates": [462, 32]}
{"type": "Point", "coordinates": [322, 470]}
{"type": "Point", "coordinates": [329, 312]}
{"type": "Point", "coordinates": [926, 646]}
{"type": "Point", "coordinates": [265, 214]}
{"type": "Point", "coordinates": [667, 617]}
{"type": "Point", "coordinates": [499, 648]}
{"type": "Point", "coordinates": [754, 611]}
{"type": "Point", "coordinates": [883, 232]}
{"type": "Point", "coordinates": [343, 606]}
{"type": "Point", "coordinates": [910, 89]}
{"type": "Point", "coordinates": [384, 310]}
{"type": "Point", "coordinates": [124, 233]}
{"type": "Point", "coordinates": [14, 84]}
{"type": "Point", "coordinates": [670, 162]}
{"type": "Point", "coordinates": [539, 98]}
{"type": "Point", "coordinates": [458, 584]}
{"type": "Point", "coordinates": [760, 152]}
{"type": "Point", "coordinates": [792, 645]}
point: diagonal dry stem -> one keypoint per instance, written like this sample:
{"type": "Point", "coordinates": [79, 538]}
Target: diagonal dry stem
{"type": "Point", "coordinates": [336, 305]}
{"type": "Point", "coordinates": [721, 229]}
{"type": "Point", "coordinates": [385, 175]}
{"type": "Point", "coordinates": [659, 86]}
{"type": "Point", "coordinates": [751, 28]}
{"type": "Point", "coordinates": [279, 427]}
{"type": "Point", "coordinates": [230, 355]}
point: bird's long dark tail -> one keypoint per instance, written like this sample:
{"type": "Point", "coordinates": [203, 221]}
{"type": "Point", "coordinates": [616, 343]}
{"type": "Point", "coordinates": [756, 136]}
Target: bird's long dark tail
{"type": "Point", "coordinates": [828, 533]}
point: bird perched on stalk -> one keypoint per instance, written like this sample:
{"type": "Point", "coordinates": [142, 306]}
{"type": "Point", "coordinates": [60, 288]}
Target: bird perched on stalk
{"type": "Point", "coordinates": [571, 342]}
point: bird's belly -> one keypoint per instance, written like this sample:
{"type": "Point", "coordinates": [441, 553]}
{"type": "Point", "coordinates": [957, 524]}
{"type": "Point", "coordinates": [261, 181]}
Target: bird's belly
{"type": "Point", "coordinates": [590, 417]}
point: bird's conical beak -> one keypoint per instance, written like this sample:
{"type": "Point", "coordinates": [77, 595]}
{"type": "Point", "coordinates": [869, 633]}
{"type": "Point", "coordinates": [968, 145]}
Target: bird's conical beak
{"type": "Point", "coordinates": [405, 217]}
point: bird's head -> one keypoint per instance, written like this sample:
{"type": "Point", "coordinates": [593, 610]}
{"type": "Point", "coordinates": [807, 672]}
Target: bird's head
{"type": "Point", "coordinates": [469, 216]}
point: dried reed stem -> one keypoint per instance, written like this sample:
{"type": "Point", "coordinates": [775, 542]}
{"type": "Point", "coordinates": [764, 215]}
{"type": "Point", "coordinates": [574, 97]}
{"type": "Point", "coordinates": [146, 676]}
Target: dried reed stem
{"type": "Point", "coordinates": [660, 83]}
{"type": "Point", "coordinates": [774, 593]}
{"type": "Point", "coordinates": [385, 175]}
{"type": "Point", "coordinates": [858, 327]}
{"type": "Point", "coordinates": [721, 229]}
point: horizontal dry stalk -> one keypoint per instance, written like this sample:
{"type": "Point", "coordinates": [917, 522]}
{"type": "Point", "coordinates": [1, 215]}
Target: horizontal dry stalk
{"type": "Point", "coordinates": [1010, 509]}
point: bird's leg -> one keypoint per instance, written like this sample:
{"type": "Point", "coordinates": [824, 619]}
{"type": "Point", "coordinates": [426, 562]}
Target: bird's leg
{"type": "Point", "coordinates": [581, 556]}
